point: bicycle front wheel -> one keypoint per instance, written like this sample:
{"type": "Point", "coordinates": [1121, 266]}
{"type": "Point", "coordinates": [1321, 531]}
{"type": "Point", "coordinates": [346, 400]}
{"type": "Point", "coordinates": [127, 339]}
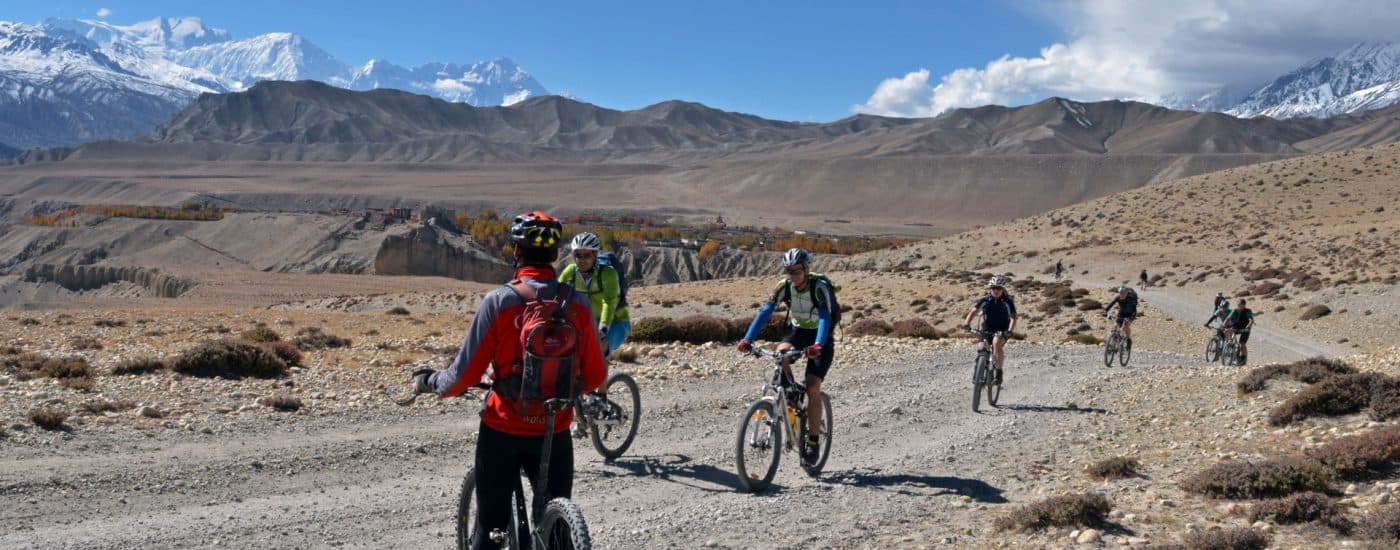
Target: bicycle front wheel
{"type": "Point", "coordinates": [1125, 351]}
{"type": "Point", "coordinates": [1213, 350]}
{"type": "Point", "coordinates": [758, 446]}
{"type": "Point", "coordinates": [979, 379]}
{"type": "Point", "coordinates": [993, 389]}
{"type": "Point", "coordinates": [1227, 353]}
{"type": "Point", "coordinates": [815, 469]}
{"type": "Point", "coordinates": [467, 524]}
{"type": "Point", "coordinates": [562, 526]}
{"type": "Point", "coordinates": [1109, 350]}
{"type": "Point", "coordinates": [616, 425]}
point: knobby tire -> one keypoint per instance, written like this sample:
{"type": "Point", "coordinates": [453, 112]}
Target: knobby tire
{"type": "Point", "coordinates": [634, 418]}
{"type": "Point", "coordinates": [563, 527]}
{"type": "Point", "coordinates": [761, 416]}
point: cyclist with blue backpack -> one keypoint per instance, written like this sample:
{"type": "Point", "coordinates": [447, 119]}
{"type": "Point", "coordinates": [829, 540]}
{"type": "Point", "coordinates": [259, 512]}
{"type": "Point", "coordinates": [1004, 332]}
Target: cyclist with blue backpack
{"type": "Point", "coordinates": [812, 312]}
{"type": "Point", "coordinates": [598, 275]}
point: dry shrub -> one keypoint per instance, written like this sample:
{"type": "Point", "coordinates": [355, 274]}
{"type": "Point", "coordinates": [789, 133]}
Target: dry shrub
{"type": "Point", "coordinates": [109, 323]}
{"type": "Point", "coordinates": [288, 352]}
{"type": "Point", "coordinates": [398, 310]}
{"type": "Point", "coordinates": [772, 332]}
{"type": "Point", "coordinates": [1382, 524]}
{"type": "Point", "coordinates": [84, 343]}
{"type": "Point", "coordinates": [699, 329]}
{"type": "Point", "coordinates": [99, 406]}
{"type": "Point", "coordinates": [870, 327]}
{"type": "Point", "coordinates": [139, 365]}
{"type": "Point", "coordinates": [229, 359]}
{"type": "Point", "coordinates": [30, 322]}
{"type": "Point", "coordinates": [66, 367]}
{"type": "Point", "coordinates": [48, 419]}
{"type": "Point", "coordinates": [1316, 312]}
{"type": "Point", "coordinates": [1385, 400]}
{"type": "Point", "coordinates": [915, 328]}
{"type": "Point", "coordinates": [626, 355]}
{"type": "Point", "coordinates": [1089, 304]}
{"type": "Point", "coordinates": [313, 338]}
{"type": "Point", "coordinates": [1236, 538]}
{"type": "Point", "coordinates": [656, 330]}
{"type": "Point", "coordinates": [1361, 455]}
{"type": "Point", "coordinates": [1088, 339]}
{"type": "Point", "coordinates": [1307, 371]}
{"type": "Point", "coordinates": [1049, 307]}
{"type": "Point", "coordinates": [78, 383]}
{"type": "Point", "coordinates": [1085, 509]}
{"type": "Point", "coordinates": [1302, 508]}
{"type": "Point", "coordinates": [1118, 467]}
{"type": "Point", "coordinates": [284, 403]}
{"type": "Point", "coordinates": [11, 350]}
{"type": "Point", "coordinates": [1334, 396]}
{"type": "Point", "coordinates": [1268, 479]}
{"type": "Point", "coordinates": [261, 333]}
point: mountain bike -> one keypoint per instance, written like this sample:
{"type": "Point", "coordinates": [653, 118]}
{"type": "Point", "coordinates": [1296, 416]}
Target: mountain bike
{"type": "Point", "coordinates": [609, 421]}
{"type": "Point", "coordinates": [781, 412]}
{"type": "Point", "coordinates": [1117, 344]}
{"type": "Point", "coordinates": [558, 522]}
{"type": "Point", "coordinates": [982, 371]}
{"type": "Point", "coordinates": [1230, 352]}
{"type": "Point", "coordinates": [1215, 346]}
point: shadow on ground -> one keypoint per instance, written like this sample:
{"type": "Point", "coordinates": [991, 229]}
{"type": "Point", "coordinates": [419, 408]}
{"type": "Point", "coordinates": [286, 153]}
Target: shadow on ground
{"type": "Point", "coordinates": [915, 484]}
{"type": "Point", "coordinates": [678, 468]}
{"type": "Point", "coordinates": [1052, 408]}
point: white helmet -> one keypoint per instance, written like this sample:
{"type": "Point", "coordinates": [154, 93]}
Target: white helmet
{"type": "Point", "coordinates": [796, 256]}
{"type": "Point", "coordinates": [997, 281]}
{"type": "Point", "coordinates": [586, 241]}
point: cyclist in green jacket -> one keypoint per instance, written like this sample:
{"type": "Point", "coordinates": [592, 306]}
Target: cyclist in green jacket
{"type": "Point", "coordinates": [600, 283]}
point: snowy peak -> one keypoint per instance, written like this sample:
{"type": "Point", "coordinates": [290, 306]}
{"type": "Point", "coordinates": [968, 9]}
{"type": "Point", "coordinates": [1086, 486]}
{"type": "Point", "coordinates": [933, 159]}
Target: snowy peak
{"type": "Point", "coordinates": [176, 33]}
{"type": "Point", "coordinates": [272, 56]}
{"type": "Point", "coordinates": [496, 82]}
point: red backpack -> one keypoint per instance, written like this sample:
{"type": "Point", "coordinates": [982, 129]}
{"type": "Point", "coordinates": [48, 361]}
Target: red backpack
{"type": "Point", "coordinates": [549, 341]}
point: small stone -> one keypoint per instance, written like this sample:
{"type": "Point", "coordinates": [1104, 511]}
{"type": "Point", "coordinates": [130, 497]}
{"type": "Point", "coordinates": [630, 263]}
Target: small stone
{"type": "Point", "coordinates": [1262, 526]}
{"type": "Point", "coordinates": [712, 543]}
{"type": "Point", "coordinates": [896, 410]}
{"type": "Point", "coordinates": [1383, 498]}
{"type": "Point", "coordinates": [1088, 535]}
{"type": "Point", "coordinates": [1351, 489]}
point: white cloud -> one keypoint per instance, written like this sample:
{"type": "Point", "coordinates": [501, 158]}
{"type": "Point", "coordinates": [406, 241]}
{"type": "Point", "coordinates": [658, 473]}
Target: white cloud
{"type": "Point", "coordinates": [1144, 49]}
{"type": "Point", "coordinates": [104, 12]}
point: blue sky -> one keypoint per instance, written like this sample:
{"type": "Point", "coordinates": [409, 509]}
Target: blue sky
{"type": "Point", "coordinates": [814, 60]}
{"type": "Point", "coordinates": [786, 60]}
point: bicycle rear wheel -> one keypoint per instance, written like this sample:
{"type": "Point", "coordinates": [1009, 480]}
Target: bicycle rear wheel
{"type": "Point", "coordinates": [979, 379]}
{"type": "Point", "coordinates": [616, 425]}
{"type": "Point", "coordinates": [993, 389]}
{"type": "Point", "coordinates": [562, 526]}
{"type": "Point", "coordinates": [824, 447]}
{"type": "Point", "coordinates": [758, 446]}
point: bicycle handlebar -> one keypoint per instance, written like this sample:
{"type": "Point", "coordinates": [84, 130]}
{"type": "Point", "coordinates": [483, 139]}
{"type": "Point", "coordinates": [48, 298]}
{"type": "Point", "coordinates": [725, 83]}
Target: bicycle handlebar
{"type": "Point", "coordinates": [764, 352]}
{"type": "Point", "coordinates": [983, 332]}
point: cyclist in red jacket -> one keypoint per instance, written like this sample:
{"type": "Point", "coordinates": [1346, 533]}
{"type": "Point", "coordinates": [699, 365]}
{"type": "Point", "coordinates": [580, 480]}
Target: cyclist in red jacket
{"type": "Point", "coordinates": [507, 439]}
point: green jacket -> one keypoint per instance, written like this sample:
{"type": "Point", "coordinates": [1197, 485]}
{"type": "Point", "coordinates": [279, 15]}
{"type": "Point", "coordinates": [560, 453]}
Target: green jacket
{"type": "Point", "coordinates": [602, 289]}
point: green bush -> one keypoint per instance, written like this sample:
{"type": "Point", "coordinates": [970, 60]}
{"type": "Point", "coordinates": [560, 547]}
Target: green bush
{"type": "Point", "coordinates": [1268, 479]}
{"type": "Point", "coordinates": [870, 327]}
{"type": "Point", "coordinates": [699, 329]}
{"type": "Point", "coordinates": [229, 359]}
{"type": "Point", "coordinates": [1085, 509]}
{"type": "Point", "coordinates": [655, 330]}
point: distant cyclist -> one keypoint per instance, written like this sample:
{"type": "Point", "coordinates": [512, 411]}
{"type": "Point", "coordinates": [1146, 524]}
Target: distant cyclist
{"type": "Point", "coordinates": [1142, 278]}
{"type": "Point", "coordinates": [1059, 269]}
{"type": "Point", "coordinates": [602, 286]}
{"type": "Point", "coordinates": [1222, 312]}
{"type": "Point", "coordinates": [1219, 297]}
{"type": "Point", "coordinates": [1127, 302]}
{"type": "Point", "coordinates": [1240, 321]}
{"type": "Point", "coordinates": [998, 321]}
{"type": "Point", "coordinates": [809, 298]}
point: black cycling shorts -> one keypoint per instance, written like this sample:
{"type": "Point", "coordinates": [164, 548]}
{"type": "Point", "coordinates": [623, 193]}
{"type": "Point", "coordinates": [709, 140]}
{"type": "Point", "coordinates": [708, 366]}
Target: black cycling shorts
{"type": "Point", "coordinates": [499, 459]}
{"type": "Point", "coordinates": [800, 338]}
{"type": "Point", "coordinates": [990, 330]}
{"type": "Point", "coordinates": [1243, 334]}
{"type": "Point", "coordinates": [1125, 317]}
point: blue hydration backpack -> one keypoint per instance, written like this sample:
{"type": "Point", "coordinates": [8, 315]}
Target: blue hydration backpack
{"type": "Point", "coordinates": [609, 259]}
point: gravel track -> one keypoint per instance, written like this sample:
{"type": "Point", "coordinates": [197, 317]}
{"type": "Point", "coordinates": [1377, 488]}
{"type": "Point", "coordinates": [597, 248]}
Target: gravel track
{"type": "Point", "coordinates": [907, 447]}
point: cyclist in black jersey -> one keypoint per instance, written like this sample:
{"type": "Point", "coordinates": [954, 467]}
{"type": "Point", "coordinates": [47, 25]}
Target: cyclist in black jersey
{"type": "Point", "coordinates": [998, 318]}
{"type": "Point", "coordinates": [1240, 321]}
{"type": "Point", "coordinates": [1127, 302]}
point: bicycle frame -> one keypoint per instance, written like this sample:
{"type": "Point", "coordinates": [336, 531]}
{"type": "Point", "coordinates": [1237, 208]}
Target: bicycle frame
{"type": "Point", "coordinates": [776, 390]}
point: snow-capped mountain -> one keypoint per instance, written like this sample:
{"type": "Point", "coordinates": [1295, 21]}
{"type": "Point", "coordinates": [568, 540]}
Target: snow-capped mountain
{"type": "Point", "coordinates": [496, 82]}
{"type": "Point", "coordinates": [1360, 78]}
{"type": "Point", "coordinates": [58, 89]}
{"type": "Point", "coordinates": [123, 80]}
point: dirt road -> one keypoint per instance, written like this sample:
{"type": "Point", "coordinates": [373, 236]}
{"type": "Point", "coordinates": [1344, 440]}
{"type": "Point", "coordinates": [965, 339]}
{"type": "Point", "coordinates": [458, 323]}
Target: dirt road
{"type": "Point", "coordinates": [1267, 342]}
{"type": "Point", "coordinates": [907, 447]}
